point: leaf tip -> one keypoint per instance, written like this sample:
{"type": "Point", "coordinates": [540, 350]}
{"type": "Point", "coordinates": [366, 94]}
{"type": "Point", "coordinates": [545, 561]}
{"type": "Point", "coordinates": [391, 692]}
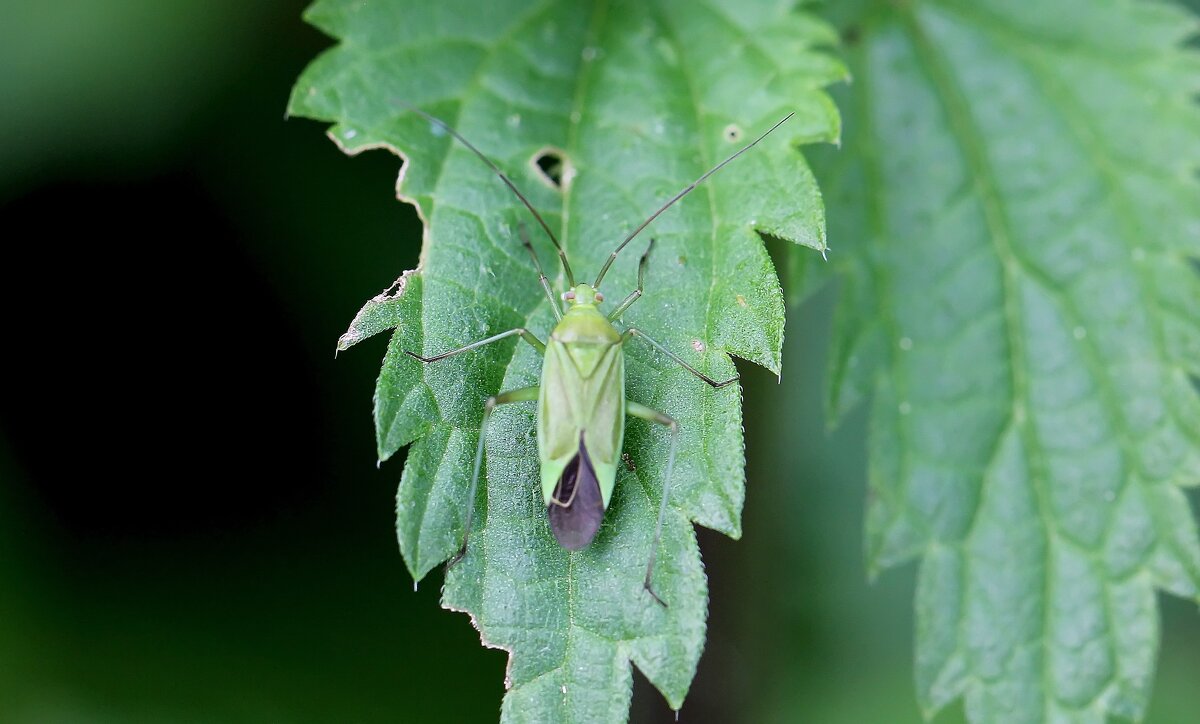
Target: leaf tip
{"type": "Point", "coordinates": [379, 314]}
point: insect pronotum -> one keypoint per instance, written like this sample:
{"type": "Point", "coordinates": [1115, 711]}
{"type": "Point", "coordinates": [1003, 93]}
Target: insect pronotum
{"type": "Point", "coordinates": [581, 403]}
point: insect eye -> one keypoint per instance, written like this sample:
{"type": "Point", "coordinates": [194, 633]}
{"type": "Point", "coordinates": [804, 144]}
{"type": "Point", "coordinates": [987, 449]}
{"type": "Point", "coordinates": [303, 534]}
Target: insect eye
{"type": "Point", "coordinates": [568, 296]}
{"type": "Point", "coordinates": [599, 297]}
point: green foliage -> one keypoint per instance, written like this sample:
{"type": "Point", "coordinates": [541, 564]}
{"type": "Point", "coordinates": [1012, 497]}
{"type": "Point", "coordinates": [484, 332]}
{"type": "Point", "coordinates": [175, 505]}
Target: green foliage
{"type": "Point", "coordinates": [1015, 219]}
{"type": "Point", "coordinates": [638, 99]}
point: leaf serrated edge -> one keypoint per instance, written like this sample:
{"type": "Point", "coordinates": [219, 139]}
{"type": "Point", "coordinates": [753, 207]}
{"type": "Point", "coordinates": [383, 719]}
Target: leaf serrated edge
{"type": "Point", "coordinates": [447, 606]}
{"type": "Point", "coordinates": [339, 138]}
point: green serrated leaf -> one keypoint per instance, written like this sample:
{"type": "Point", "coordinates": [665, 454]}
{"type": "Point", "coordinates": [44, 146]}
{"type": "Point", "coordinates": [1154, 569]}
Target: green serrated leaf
{"type": "Point", "coordinates": [1018, 203]}
{"type": "Point", "coordinates": [635, 100]}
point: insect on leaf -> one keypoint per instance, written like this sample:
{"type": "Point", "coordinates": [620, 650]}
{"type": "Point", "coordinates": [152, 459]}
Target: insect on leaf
{"type": "Point", "coordinates": [1018, 205]}
{"type": "Point", "coordinates": [623, 104]}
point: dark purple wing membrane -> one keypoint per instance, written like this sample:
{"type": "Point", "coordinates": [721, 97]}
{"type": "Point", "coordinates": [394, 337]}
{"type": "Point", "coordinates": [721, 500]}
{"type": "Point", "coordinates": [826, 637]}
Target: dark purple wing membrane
{"type": "Point", "coordinates": [577, 508]}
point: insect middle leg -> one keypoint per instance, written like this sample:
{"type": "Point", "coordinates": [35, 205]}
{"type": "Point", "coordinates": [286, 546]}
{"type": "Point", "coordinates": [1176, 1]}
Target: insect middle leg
{"type": "Point", "coordinates": [519, 395]}
{"type": "Point", "coordinates": [525, 335]}
{"type": "Point", "coordinates": [638, 333]}
{"type": "Point", "coordinates": [523, 394]}
{"type": "Point", "coordinates": [648, 413]}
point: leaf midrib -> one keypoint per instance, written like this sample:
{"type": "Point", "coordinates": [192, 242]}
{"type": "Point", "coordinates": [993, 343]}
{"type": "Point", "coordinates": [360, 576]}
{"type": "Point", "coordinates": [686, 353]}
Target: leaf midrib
{"type": "Point", "coordinates": [575, 116]}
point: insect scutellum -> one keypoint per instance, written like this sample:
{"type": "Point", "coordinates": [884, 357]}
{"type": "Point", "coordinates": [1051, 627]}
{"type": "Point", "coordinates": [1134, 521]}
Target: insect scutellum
{"type": "Point", "coordinates": [581, 399]}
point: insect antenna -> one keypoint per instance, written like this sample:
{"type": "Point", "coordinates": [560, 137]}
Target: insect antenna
{"type": "Point", "coordinates": [541, 274]}
{"type": "Point", "coordinates": [562, 255]}
{"type": "Point", "coordinates": [613, 256]}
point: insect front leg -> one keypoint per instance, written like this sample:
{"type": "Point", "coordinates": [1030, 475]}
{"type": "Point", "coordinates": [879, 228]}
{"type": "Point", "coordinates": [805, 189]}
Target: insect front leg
{"type": "Point", "coordinates": [638, 333]}
{"type": "Point", "coordinates": [636, 294]}
{"type": "Point", "coordinates": [648, 413]}
{"type": "Point", "coordinates": [523, 394]}
{"type": "Point", "coordinates": [525, 335]}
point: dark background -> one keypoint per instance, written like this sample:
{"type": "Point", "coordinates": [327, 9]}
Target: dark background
{"type": "Point", "coordinates": [192, 525]}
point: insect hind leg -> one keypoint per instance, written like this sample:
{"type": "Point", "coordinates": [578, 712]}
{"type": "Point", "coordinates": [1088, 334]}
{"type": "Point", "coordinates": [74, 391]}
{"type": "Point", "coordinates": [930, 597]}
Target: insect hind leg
{"type": "Point", "coordinates": [523, 394]}
{"type": "Point", "coordinates": [648, 413]}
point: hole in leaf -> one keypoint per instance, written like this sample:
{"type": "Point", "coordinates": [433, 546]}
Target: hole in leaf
{"type": "Point", "coordinates": [552, 167]}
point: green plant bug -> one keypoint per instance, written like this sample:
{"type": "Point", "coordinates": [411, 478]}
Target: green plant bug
{"type": "Point", "coordinates": [581, 403]}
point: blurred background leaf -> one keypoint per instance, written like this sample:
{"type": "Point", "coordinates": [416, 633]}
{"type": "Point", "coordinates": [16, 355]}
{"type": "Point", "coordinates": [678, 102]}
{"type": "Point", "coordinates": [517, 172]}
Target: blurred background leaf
{"type": "Point", "coordinates": [192, 527]}
{"type": "Point", "coordinates": [1017, 204]}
